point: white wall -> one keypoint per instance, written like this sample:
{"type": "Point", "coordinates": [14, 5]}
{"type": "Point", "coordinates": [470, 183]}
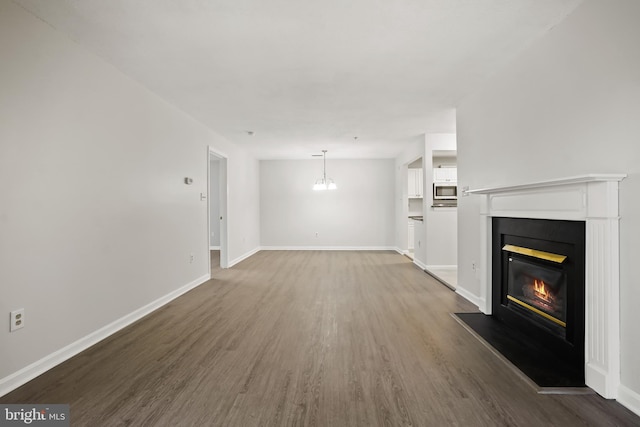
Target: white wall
{"type": "Point", "coordinates": [243, 214]}
{"type": "Point", "coordinates": [442, 237]}
{"type": "Point", "coordinates": [569, 105]}
{"type": "Point", "coordinates": [419, 244]}
{"type": "Point", "coordinates": [444, 161]}
{"type": "Point", "coordinates": [415, 207]}
{"type": "Point", "coordinates": [359, 214]}
{"type": "Point", "coordinates": [95, 219]}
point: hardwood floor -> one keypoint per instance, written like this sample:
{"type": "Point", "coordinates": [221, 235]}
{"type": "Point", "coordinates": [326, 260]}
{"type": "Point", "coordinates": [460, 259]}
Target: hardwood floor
{"type": "Point", "coordinates": [307, 338]}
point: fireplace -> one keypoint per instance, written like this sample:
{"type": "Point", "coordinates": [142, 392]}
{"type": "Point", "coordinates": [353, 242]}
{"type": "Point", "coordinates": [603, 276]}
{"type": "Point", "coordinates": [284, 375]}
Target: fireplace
{"type": "Point", "coordinates": [592, 200]}
{"type": "Point", "coordinates": [538, 285]}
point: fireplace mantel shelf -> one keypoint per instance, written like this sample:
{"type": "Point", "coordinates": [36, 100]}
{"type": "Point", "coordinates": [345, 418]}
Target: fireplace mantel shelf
{"type": "Point", "coordinates": [579, 179]}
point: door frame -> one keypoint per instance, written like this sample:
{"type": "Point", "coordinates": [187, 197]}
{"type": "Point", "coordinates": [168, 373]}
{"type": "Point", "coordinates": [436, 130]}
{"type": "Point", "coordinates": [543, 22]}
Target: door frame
{"type": "Point", "coordinates": [223, 203]}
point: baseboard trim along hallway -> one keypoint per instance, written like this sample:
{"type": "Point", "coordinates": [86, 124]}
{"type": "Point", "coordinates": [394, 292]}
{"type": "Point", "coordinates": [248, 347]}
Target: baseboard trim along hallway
{"type": "Point", "coordinates": [329, 248]}
{"type": "Point", "coordinates": [37, 368]}
{"type": "Point", "coordinates": [629, 398]}
{"type": "Point", "coordinates": [243, 257]}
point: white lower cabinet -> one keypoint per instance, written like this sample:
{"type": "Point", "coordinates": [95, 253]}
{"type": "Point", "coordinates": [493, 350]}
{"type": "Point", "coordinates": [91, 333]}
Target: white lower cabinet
{"type": "Point", "coordinates": [411, 235]}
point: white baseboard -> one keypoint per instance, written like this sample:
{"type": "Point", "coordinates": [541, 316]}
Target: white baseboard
{"type": "Point", "coordinates": [243, 257]}
{"type": "Point", "coordinates": [31, 371]}
{"type": "Point", "coordinates": [629, 398]}
{"type": "Point", "coordinates": [474, 299]}
{"type": "Point", "coordinates": [442, 267]}
{"type": "Point", "coordinates": [329, 248]}
{"type": "Point", "coordinates": [310, 248]}
{"type": "Point", "coordinates": [419, 264]}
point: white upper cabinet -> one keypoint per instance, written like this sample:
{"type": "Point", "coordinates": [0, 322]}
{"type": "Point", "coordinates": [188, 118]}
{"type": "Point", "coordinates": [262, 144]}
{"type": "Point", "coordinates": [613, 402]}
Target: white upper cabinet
{"type": "Point", "coordinates": [445, 174]}
{"type": "Point", "coordinates": [414, 183]}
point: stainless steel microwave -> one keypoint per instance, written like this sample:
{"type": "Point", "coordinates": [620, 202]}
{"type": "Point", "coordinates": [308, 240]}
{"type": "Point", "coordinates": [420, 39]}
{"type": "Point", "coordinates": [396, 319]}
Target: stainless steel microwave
{"type": "Point", "coordinates": [445, 191]}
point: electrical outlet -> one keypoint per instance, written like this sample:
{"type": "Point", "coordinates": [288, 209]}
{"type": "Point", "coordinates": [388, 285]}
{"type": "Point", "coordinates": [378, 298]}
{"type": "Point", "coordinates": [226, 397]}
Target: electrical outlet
{"type": "Point", "coordinates": [191, 258]}
{"type": "Point", "coordinates": [476, 269]}
{"type": "Point", "coordinates": [17, 319]}
{"type": "Point", "coordinates": [316, 234]}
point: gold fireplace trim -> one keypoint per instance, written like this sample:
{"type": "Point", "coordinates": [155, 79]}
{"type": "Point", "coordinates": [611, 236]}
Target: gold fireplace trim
{"type": "Point", "coordinates": [535, 310]}
{"type": "Point", "coordinates": [535, 253]}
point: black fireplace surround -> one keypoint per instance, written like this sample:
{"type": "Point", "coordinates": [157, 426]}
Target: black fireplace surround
{"type": "Point", "coordinates": [538, 289]}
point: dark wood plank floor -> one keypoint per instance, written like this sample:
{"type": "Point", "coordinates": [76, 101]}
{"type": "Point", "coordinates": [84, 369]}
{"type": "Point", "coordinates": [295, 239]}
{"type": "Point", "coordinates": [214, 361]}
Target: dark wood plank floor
{"type": "Point", "coordinates": [307, 338]}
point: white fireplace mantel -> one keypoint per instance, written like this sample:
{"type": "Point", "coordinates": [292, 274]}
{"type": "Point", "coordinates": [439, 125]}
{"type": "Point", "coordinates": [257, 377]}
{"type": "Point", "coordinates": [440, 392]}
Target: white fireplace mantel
{"type": "Point", "coordinates": [590, 198]}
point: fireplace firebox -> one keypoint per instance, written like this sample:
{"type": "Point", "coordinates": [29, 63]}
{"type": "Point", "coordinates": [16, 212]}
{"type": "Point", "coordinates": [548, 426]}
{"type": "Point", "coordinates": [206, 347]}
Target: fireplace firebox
{"type": "Point", "coordinates": [536, 288]}
{"type": "Point", "coordinates": [538, 285]}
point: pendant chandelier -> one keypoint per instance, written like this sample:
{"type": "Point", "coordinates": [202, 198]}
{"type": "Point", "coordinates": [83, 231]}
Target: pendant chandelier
{"type": "Point", "coordinates": [324, 183]}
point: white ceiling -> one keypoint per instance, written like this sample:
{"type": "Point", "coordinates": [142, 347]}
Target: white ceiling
{"type": "Point", "coordinates": [309, 75]}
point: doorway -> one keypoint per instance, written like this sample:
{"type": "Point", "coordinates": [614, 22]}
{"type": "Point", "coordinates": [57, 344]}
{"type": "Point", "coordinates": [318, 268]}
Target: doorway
{"type": "Point", "coordinates": [217, 210]}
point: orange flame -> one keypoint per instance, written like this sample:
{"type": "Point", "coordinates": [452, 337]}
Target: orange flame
{"type": "Point", "coordinates": [540, 290]}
